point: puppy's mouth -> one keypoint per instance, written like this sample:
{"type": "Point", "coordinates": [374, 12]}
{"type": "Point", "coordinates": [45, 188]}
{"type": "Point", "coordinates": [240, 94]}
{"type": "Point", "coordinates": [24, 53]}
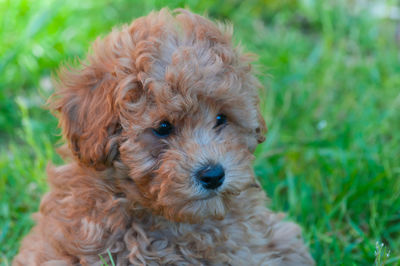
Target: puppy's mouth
{"type": "Point", "coordinates": [225, 193]}
{"type": "Point", "coordinates": [209, 195]}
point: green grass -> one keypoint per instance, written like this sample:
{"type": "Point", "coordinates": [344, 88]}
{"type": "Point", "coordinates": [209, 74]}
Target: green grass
{"type": "Point", "coordinates": [331, 101]}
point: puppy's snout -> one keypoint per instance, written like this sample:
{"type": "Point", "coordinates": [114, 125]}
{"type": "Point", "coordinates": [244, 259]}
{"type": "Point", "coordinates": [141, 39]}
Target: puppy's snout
{"type": "Point", "coordinates": [211, 176]}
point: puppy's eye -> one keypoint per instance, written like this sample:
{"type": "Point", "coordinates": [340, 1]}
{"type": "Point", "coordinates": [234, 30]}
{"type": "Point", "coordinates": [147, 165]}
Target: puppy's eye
{"type": "Point", "coordinates": [221, 120]}
{"type": "Point", "coordinates": [164, 129]}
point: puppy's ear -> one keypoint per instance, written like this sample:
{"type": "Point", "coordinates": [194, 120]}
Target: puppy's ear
{"type": "Point", "coordinates": [254, 88]}
{"type": "Point", "coordinates": [84, 101]}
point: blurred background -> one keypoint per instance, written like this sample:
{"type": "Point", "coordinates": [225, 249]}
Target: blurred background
{"type": "Point", "coordinates": [331, 99]}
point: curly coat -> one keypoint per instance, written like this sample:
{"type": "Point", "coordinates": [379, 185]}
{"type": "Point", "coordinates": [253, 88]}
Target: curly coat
{"type": "Point", "coordinates": [130, 195]}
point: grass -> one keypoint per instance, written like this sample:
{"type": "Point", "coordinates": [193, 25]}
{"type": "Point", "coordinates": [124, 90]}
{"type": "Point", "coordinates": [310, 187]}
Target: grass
{"type": "Point", "coordinates": [381, 254]}
{"type": "Point", "coordinates": [332, 76]}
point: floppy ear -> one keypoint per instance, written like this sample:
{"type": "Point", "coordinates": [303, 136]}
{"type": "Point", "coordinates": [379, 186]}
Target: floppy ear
{"type": "Point", "coordinates": [85, 104]}
{"type": "Point", "coordinates": [253, 88]}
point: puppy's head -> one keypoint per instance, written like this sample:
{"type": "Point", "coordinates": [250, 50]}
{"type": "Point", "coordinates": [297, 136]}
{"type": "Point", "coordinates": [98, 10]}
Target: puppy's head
{"type": "Point", "coordinates": [173, 103]}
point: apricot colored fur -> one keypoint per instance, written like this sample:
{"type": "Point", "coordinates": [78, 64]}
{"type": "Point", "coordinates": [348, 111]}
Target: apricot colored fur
{"type": "Point", "coordinates": [132, 193]}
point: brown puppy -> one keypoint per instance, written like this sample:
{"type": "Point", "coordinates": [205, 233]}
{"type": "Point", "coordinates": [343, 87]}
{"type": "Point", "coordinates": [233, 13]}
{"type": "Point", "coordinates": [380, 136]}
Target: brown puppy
{"type": "Point", "coordinates": [161, 121]}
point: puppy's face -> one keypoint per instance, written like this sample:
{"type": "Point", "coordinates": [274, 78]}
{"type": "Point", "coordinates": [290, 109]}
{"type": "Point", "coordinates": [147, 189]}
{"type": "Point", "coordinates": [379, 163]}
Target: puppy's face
{"type": "Point", "coordinates": [177, 109]}
{"type": "Point", "coordinates": [192, 153]}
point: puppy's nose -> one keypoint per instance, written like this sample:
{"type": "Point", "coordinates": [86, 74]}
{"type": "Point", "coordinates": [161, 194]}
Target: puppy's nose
{"type": "Point", "coordinates": [211, 176]}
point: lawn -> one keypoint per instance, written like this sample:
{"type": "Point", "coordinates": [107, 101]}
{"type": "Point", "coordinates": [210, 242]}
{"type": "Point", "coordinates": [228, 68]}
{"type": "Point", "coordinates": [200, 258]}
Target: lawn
{"type": "Point", "coordinates": [331, 99]}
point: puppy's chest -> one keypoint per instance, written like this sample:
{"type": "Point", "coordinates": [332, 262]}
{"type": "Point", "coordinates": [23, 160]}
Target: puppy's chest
{"type": "Point", "coordinates": [210, 244]}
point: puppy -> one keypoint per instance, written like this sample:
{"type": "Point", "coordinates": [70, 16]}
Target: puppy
{"type": "Point", "coordinates": [161, 121]}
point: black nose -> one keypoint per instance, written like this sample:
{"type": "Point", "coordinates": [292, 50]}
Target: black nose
{"type": "Point", "coordinates": [211, 176]}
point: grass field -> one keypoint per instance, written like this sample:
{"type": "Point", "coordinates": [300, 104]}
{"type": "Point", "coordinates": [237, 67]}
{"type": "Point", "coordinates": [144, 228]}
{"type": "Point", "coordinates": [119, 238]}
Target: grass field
{"type": "Point", "coordinates": [331, 72]}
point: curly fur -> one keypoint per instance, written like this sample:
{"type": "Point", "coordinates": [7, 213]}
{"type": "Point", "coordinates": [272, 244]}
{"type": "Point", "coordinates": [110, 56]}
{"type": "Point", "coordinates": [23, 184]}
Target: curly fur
{"type": "Point", "coordinates": [132, 193]}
